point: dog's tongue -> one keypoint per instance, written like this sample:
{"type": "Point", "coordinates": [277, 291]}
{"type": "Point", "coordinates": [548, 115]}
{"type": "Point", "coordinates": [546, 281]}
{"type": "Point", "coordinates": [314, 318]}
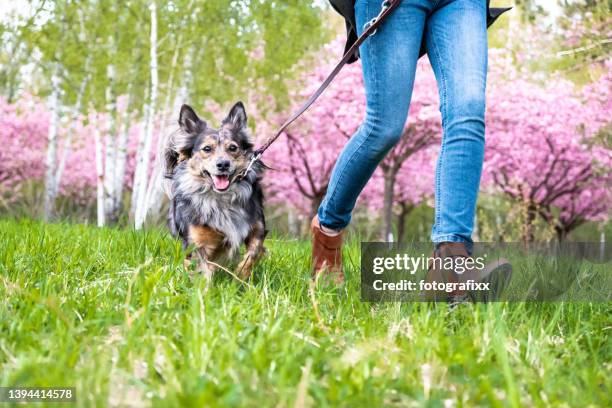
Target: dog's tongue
{"type": "Point", "coordinates": [221, 182]}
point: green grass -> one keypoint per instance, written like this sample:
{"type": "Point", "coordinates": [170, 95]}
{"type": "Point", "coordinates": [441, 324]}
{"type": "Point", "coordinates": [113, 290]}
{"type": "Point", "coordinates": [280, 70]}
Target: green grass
{"type": "Point", "coordinates": [112, 313]}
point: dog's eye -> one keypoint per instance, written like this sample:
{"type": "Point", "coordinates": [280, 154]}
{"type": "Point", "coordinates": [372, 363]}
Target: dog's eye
{"type": "Point", "coordinates": [207, 149]}
{"type": "Point", "coordinates": [233, 148]}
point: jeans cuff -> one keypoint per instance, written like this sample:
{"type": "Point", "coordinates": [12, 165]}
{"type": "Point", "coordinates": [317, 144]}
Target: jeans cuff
{"type": "Point", "coordinates": [448, 238]}
{"type": "Point", "coordinates": [323, 221]}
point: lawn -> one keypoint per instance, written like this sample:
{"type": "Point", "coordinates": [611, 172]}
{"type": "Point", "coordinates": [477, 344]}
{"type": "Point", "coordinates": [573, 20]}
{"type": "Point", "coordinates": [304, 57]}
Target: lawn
{"type": "Point", "coordinates": [112, 313]}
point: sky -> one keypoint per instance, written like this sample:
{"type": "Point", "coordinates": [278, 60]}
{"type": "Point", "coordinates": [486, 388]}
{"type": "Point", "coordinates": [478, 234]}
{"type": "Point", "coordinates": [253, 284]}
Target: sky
{"type": "Point", "coordinates": [19, 7]}
{"type": "Point", "coordinates": [9, 6]}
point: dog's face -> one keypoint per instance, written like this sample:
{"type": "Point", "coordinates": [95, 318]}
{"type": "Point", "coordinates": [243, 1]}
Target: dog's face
{"type": "Point", "coordinates": [215, 156]}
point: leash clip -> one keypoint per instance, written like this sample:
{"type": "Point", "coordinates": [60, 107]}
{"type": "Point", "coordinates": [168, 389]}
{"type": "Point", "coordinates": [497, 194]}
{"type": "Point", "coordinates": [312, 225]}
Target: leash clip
{"type": "Point", "coordinates": [384, 6]}
{"type": "Point", "coordinates": [256, 156]}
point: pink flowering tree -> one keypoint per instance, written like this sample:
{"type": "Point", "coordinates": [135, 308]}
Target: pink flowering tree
{"type": "Point", "coordinates": [23, 136]}
{"type": "Point", "coordinates": [589, 200]}
{"type": "Point", "coordinates": [543, 151]}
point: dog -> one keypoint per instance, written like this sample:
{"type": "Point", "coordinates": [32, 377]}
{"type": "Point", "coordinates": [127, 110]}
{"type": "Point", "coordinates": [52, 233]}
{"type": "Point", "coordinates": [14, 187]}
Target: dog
{"type": "Point", "coordinates": [216, 198]}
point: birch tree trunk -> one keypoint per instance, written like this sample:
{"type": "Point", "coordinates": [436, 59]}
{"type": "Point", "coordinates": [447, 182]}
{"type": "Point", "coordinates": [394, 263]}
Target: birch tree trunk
{"type": "Point", "coordinates": [141, 188]}
{"type": "Point", "coordinates": [110, 146]}
{"type": "Point", "coordinates": [155, 192]}
{"type": "Point", "coordinates": [51, 161]}
{"type": "Point", "coordinates": [121, 157]}
{"type": "Point", "coordinates": [99, 176]}
{"type": "Point", "coordinates": [139, 158]}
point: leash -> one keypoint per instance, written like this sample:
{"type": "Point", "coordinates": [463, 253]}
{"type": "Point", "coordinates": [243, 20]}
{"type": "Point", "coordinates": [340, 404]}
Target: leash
{"type": "Point", "coordinates": [369, 29]}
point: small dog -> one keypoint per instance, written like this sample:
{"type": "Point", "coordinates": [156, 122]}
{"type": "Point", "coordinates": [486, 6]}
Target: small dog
{"type": "Point", "coordinates": [216, 200]}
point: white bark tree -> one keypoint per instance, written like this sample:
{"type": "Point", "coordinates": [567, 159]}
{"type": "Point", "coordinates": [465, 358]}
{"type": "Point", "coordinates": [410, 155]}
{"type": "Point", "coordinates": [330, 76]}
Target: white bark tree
{"type": "Point", "coordinates": [142, 169]}
{"type": "Point", "coordinates": [155, 193]}
{"type": "Point", "coordinates": [139, 157]}
{"type": "Point", "coordinates": [110, 147]}
{"type": "Point", "coordinates": [120, 159]}
{"type": "Point", "coordinates": [100, 207]}
{"type": "Point", "coordinates": [51, 160]}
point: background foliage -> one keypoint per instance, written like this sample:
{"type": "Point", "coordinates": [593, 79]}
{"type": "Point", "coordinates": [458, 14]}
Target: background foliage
{"type": "Point", "coordinates": [90, 65]}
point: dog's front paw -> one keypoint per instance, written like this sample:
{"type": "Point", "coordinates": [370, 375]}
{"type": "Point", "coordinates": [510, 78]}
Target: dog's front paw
{"type": "Point", "coordinates": [244, 269]}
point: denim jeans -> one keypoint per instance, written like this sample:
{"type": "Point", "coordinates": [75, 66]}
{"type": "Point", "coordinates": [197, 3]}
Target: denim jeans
{"type": "Point", "coordinates": [456, 42]}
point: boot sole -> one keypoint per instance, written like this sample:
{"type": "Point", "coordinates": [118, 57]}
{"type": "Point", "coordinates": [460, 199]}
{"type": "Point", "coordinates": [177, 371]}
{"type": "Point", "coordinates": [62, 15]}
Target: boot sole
{"type": "Point", "coordinates": [498, 275]}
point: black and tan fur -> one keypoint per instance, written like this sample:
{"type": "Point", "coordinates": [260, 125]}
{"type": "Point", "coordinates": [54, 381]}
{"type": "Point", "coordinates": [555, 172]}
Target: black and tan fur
{"type": "Point", "coordinates": [215, 206]}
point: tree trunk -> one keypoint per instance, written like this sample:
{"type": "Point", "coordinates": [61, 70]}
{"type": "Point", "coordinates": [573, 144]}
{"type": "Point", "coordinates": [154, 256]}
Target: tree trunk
{"type": "Point", "coordinates": [293, 224]}
{"type": "Point", "coordinates": [139, 159]}
{"type": "Point", "coordinates": [405, 210]}
{"type": "Point", "coordinates": [562, 234]}
{"type": "Point", "coordinates": [51, 161]}
{"type": "Point", "coordinates": [155, 192]}
{"type": "Point", "coordinates": [99, 177]}
{"type": "Point", "coordinates": [141, 189]}
{"type": "Point", "coordinates": [121, 158]}
{"type": "Point", "coordinates": [528, 227]}
{"type": "Point", "coordinates": [110, 157]}
{"type": "Point", "coordinates": [389, 186]}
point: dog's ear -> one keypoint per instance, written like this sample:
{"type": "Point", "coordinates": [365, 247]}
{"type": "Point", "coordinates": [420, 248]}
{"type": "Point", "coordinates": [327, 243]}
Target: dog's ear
{"type": "Point", "coordinates": [237, 117]}
{"type": "Point", "coordinates": [180, 144]}
{"type": "Point", "coordinates": [189, 121]}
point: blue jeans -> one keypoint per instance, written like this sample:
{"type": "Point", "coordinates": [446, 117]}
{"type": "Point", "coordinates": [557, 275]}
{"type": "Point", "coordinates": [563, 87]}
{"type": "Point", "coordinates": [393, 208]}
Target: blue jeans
{"type": "Point", "coordinates": [456, 40]}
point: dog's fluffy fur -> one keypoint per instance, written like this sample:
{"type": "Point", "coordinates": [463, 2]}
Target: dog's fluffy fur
{"type": "Point", "coordinates": [214, 205]}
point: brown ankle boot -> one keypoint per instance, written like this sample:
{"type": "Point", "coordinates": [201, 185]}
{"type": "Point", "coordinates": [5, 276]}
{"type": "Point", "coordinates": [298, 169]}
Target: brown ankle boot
{"type": "Point", "coordinates": [495, 275]}
{"type": "Point", "coordinates": [326, 253]}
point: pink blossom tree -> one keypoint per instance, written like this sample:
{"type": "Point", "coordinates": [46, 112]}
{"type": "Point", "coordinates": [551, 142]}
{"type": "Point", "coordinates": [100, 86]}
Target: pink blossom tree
{"type": "Point", "coordinates": [543, 152]}
{"type": "Point", "coordinates": [23, 136]}
{"type": "Point", "coordinates": [590, 200]}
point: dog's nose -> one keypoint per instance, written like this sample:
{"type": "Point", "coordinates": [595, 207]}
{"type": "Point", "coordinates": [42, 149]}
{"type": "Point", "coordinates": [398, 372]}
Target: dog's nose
{"type": "Point", "coordinates": [223, 165]}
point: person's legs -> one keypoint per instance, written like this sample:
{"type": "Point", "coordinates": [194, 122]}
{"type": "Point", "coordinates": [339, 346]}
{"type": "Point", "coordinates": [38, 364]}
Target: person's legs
{"type": "Point", "coordinates": [389, 64]}
{"type": "Point", "coordinates": [456, 40]}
